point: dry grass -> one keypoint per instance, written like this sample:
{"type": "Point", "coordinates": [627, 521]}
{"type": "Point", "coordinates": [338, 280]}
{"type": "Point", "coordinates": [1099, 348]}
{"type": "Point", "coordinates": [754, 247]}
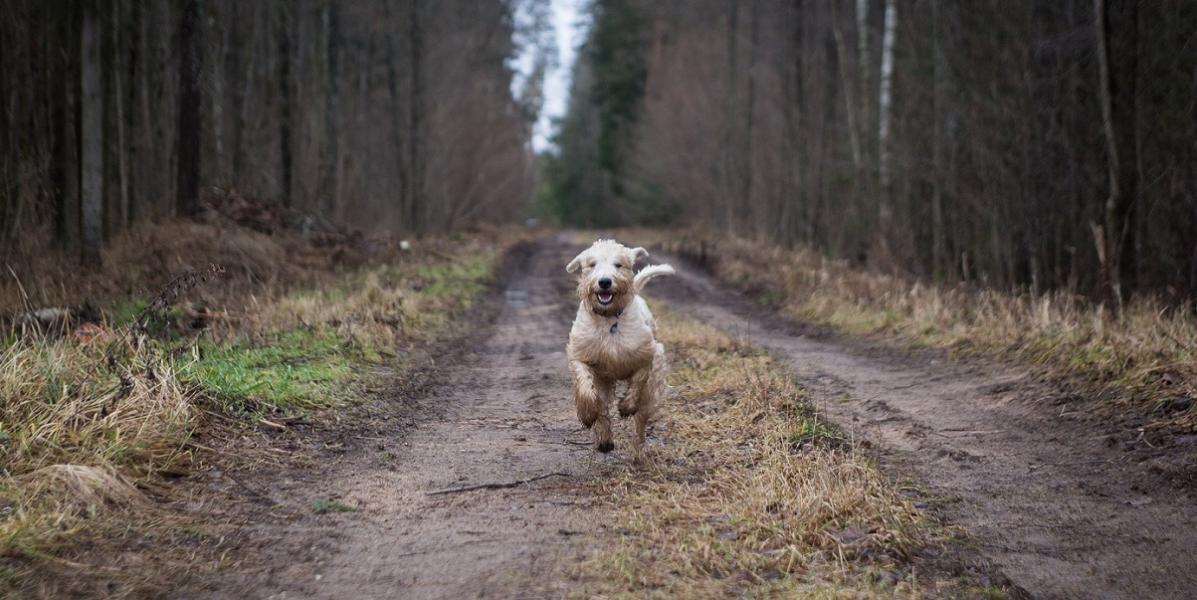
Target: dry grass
{"type": "Point", "coordinates": [80, 426]}
{"type": "Point", "coordinates": [1148, 354]}
{"type": "Point", "coordinates": [87, 423]}
{"type": "Point", "coordinates": [749, 495]}
{"type": "Point", "coordinates": [142, 260]}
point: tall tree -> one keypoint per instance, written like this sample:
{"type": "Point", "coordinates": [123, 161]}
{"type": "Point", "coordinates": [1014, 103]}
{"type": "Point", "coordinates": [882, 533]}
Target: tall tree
{"type": "Point", "coordinates": [91, 128]}
{"type": "Point", "coordinates": [939, 99]}
{"type": "Point", "coordinates": [884, 116]}
{"type": "Point", "coordinates": [415, 115]}
{"type": "Point", "coordinates": [285, 104]}
{"type": "Point", "coordinates": [1117, 50]}
{"type": "Point", "coordinates": [190, 122]}
{"type": "Point", "coordinates": [329, 190]}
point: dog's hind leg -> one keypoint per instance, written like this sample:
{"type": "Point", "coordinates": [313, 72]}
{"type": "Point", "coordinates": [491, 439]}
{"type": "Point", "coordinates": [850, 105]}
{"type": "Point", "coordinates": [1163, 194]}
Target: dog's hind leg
{"type": "Point", "coordinates": [629, 403]}
{"type": "Point", "coordinates": [649, 395]}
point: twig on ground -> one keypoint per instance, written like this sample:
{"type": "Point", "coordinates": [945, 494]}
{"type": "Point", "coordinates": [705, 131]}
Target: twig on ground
{"type": "Point", "coordinates": [494, 486]}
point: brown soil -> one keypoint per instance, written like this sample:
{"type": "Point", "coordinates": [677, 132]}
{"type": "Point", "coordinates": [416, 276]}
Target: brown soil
{"type": "Point", "coordinates": [1064, 508]}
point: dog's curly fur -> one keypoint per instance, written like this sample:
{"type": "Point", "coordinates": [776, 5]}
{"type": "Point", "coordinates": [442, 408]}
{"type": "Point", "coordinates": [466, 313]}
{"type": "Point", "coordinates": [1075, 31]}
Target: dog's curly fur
{"type": "Point", "coordinates": [614, 339]}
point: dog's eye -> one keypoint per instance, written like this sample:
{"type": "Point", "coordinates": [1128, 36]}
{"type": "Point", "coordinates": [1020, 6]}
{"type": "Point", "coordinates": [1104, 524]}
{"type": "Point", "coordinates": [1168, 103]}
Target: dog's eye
{"type": "Point", "coordinates": [591, 264]}
{"type": "Point", "coordinates": [618, 266]}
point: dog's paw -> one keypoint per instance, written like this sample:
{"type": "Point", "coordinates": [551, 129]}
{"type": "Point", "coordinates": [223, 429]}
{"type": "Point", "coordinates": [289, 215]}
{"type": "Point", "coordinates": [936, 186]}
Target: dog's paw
{"type": "Point", "coordinates": [627, 409]}
{"type": "Point", "coordinates": [605, 447]}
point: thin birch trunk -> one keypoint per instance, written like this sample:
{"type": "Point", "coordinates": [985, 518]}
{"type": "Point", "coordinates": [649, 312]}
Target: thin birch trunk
{"type": "Point", "coordinates": [884, 110]}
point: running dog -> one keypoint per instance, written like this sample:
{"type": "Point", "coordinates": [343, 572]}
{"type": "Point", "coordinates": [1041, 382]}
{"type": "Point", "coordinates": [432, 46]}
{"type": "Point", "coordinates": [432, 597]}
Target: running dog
{"type": "Point", "coordinates": [614, 339]}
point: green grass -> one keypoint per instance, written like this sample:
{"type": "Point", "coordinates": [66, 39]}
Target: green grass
{"type": "Point", "coordinates": [323, 506]}
{"type": "Point", "coordinates": [288, 371]}
{"type": "Point", "coordinates": [317, 366]}
{"type": "Point", "coordinates": [459, 283]}
{"type": "Point", "coordinates": [124, 313]}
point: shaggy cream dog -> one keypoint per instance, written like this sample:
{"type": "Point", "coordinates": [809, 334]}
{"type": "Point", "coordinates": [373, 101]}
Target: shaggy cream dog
{"type": "Point", "coordinates": [614, 339]}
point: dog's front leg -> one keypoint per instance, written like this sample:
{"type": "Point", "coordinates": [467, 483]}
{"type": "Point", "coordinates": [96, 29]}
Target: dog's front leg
{"type": "Point", "coordinates": [591, 397]}
{"type": "Point", "coordinates": [586, 396]}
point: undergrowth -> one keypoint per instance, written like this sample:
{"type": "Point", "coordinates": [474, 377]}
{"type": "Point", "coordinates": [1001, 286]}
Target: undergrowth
{"type": "Point", "coordinates": [748, 493]}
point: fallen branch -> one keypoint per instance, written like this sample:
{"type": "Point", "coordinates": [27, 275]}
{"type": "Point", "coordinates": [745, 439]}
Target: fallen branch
{"type": "Point", "coordinates": [494, 486]}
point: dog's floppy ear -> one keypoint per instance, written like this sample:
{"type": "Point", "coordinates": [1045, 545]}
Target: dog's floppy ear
{"type": "Point", "coordinates": [639, 252]}
{"type": "Point", "coordinates": [574, 264]}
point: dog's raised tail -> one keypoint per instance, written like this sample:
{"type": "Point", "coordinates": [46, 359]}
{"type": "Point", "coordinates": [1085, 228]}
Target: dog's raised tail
{"type": "Point", "coordinates": [649, 272]}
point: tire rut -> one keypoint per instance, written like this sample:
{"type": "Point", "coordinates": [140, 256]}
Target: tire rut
{"type": "Point", "coordinates": [1059, 512]}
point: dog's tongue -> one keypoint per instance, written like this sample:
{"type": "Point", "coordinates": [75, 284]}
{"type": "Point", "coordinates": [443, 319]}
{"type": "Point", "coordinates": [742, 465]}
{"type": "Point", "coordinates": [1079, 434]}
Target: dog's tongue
{"type": "Point", "coordinates": [604, 297]}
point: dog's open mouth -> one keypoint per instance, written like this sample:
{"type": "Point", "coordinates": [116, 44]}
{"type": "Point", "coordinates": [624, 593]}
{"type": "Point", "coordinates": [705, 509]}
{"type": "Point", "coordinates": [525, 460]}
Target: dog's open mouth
{"type": "Point", "coordinates": [604, 298]}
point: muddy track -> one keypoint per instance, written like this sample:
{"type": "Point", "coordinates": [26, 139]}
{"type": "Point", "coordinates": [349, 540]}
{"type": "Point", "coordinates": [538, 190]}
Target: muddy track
{"type": "Point", "coordinates": [500, 414]}
{"type": "Point", "coordinates": [1061, 512]}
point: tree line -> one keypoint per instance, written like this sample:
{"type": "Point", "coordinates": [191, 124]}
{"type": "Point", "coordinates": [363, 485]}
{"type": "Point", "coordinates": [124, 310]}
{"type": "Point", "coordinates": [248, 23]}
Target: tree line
{"type": "Point", "coordinates": [1030, 144]}
{"type": "Point", "coordinates": [394, 114]}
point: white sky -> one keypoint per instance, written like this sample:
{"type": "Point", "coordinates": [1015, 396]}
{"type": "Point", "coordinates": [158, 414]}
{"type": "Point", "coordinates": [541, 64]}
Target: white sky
{"type": "Point", "coordinates": [569, 21]}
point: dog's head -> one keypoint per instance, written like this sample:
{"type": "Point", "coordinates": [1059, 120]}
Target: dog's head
{"type": "Point", "coordinates": [605, 272]}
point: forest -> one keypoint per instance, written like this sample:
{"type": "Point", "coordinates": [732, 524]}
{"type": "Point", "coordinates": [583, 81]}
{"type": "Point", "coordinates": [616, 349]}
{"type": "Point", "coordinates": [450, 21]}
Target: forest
{"type": "Point", "coordinates": [391, 114]}
{"type": "Point", "coordinates": [698, 299]}
{"type": "Point", "coordinates": [1025, 145]}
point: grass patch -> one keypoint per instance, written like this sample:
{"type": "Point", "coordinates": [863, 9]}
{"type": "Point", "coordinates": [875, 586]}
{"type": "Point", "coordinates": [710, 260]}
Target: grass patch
{"type": "Point", "coordinates": [323, 506]}
{"type": "Point", "coordinates": [290, 371]}
{"type": "Point", "coordinates": [750, 494]}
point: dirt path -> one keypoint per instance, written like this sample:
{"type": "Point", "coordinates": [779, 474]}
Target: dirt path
{"type": "Point", "coordinates": [1062, 513]}
{"type": "Point", "coordinates": [500, 415]}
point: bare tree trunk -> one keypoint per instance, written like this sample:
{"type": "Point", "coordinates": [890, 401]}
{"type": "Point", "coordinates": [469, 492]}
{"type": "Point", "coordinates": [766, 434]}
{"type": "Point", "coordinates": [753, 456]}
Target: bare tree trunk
{"type": "Point", "coordinates": [217, 76]}
{"type": "Point", "coordinates": [846, 83]}
{"type": "Point", "coordinates": [415, 118]}
{"type": "Point", "coordinates": [330, 186]}
{"type": "Point", "coordinates": [938, 234]}
{"type": "Point", "coordinates": [729, 186]}
{"type": "Point", "coordinates": [91, 133]}
{"type": "Point", "coordinates": [397, 126]}
{"type": "Point", "coordinates": [245, 63]}
{"type": "Point", "coordinates": [1117, 70]}
{"type": "Point", "coordinates": [121, 219]}
{"type": "Point", "coordinates": [746, 166]}
{"type": "Point", "coordinates": [884, 111]}
{"type": "Point", "coordinates": [863, 60]}
{"type": "Point", "coordinates": [285, 108]}
{"type": "Point", "coordinates": [190, 124]}
{"type": "Point", "coordinates": [131, 126]}
{"type": "Point", "coordinates": [66, 114]}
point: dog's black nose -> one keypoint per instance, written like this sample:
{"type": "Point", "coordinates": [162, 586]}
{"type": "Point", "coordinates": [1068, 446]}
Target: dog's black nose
{"type": "Point", "coordinates": [605, 283]}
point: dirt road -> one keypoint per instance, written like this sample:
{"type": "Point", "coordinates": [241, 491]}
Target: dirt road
{"type": "Point", "coordinates": [1062, 511]}
{"type": "Point", "coordinates": [1064, 515]}
{"type": "Point", "coordinates": [501, 414]}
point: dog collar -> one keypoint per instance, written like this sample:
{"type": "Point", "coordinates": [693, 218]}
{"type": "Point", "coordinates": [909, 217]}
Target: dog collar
{"type": "Point", "coordinates": [615, 326]}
